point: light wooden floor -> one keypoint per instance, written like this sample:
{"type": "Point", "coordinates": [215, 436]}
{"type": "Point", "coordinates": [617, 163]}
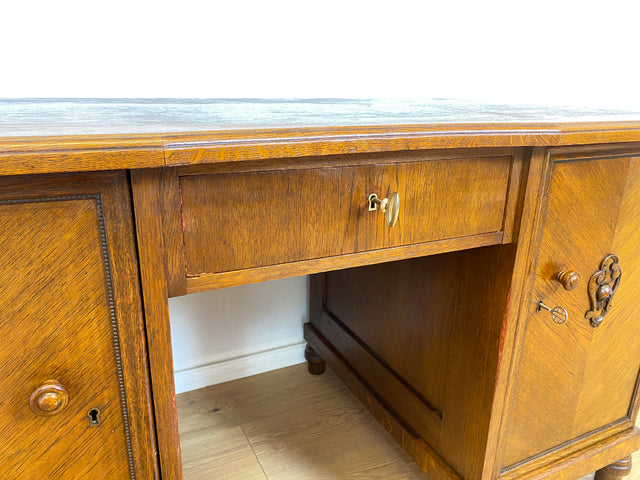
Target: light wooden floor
{"type": "Point", "coordinates": [288, 425]}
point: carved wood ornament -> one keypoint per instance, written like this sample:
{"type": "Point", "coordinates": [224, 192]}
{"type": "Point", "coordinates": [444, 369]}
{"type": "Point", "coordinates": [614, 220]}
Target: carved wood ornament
{"type": "Point", "coordinates": [602, 287]}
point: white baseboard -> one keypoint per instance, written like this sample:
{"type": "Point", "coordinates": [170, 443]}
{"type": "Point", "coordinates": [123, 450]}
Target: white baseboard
{"type": "Point", "coordinates": [232, 369]}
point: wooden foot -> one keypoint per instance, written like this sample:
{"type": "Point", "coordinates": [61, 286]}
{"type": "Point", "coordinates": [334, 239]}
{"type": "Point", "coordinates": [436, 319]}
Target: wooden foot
{"type": "Point", "coordinates": [315, 364]}
{"type": "Point", "coordinates": [616, 470]}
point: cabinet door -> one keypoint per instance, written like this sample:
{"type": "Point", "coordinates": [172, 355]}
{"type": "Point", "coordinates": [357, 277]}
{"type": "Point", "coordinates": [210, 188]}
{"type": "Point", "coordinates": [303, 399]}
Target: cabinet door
{"type": "Point", "coordinates": [577, 380]}
{"type": "Point", "coordinates": [74, 401]}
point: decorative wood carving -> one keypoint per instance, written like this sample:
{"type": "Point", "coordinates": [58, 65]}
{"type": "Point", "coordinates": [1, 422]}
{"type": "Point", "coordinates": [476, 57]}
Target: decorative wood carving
{"type": "Point", "coordinates": [602, 287]}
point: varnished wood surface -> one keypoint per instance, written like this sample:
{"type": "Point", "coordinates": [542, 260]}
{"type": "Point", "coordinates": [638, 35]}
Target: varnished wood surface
{"type": "Point", "coordinates": [323, 212]}
{"type": "Point", "coordinates": [205, 282]}
{"type": "Point", "coordinates": [267, 204]}
{"type": "Point", "coordinates": [44, 136]}
{"type": "Point", "coordinates": [232, 431]}
{"type": "Point", "coordinates": [62, 314]}
{"type": "Point", "coordinates": [285, 425]}
{"type": "Point", "coordinates": [472, 315]}
{"type": "Point", "coordinates": [432, 324]}
{"type": "Point", "coordinates": [591, 213]}
{"type": "Point", "coordinates": [146, 205]}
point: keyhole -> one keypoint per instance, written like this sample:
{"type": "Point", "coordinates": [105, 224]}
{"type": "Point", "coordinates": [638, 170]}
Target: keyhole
{"type": "Point", "coordinates": [94, 417]}
{"type": "Point", "coordinates": [372, 205]}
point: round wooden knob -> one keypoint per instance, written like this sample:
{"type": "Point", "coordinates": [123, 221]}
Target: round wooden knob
{"type": "Point", "coordinates": [569, 280]}
{"type": "Point", "coordinates": [50, 398]}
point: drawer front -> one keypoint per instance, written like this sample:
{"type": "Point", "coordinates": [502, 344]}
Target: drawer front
{"type": "Point", "coordinates": [577, 381]}
{"type": "Point", "coordinates": [65, 407]}
{"type": "Point", "coordinates": [234, 221]}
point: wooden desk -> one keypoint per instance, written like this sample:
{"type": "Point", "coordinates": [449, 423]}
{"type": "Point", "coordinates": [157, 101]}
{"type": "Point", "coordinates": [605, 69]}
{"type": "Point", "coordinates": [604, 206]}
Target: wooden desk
{"type": "Point", "coordinates": [110, 207]}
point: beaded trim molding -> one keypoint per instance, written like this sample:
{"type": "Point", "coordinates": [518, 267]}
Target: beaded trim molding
{"type": "Point", "coordinates": [110, 299]}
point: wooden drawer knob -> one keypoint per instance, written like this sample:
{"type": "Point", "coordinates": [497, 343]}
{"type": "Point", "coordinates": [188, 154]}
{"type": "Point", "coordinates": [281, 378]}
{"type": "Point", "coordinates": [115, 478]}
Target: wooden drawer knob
{"type": "Point", "coordinates": [50, 398]}
{"type": "Point", "coordinates": [569, 280]}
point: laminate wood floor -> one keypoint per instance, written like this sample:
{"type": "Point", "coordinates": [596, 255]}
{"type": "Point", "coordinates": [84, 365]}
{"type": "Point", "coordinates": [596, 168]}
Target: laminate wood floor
{"type": "Point", "coordinates": [289, 425]}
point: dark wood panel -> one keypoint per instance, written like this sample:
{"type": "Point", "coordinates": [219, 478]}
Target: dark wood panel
{"type": "Point", "coordinates": [237, 221]}
{"type": "Point", "coordinates": [436, 323]}
{"type": "Point", "coordinates": [423, 417]}
{"type": "Point", "coordinates": [404, 312]}
{"type": "Point", "coordinates": [404, 434]}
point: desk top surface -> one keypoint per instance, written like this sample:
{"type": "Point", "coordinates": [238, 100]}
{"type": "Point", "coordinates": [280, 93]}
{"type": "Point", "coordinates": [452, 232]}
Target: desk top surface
{"type": "Point", "coordinates": [55, 117]}
{"type": "Point", "coordinates": [65, 135]}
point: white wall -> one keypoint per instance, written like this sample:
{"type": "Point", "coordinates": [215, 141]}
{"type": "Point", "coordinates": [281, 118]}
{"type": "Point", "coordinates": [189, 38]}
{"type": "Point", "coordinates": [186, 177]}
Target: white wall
{"type": "Point", "coordinates": [216, 335]}
{"type": "Point", "coordinates": [547, 51]}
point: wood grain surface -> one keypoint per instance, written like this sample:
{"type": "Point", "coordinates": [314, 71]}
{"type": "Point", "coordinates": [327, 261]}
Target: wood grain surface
{"type": "Point", "coordinates": [324, 212]}
{"type": "Point", "coordinates": [70, 296]}
{"type": "Point", "coordinates": [432, 324]}
{"type": "Point", "coordinates": [145, 187]}
{"type": "Point", "coordinates": [285, 425]}
{"type": "Point", "coordinates": [583, 378]}
{"type": "Point", "coordinates": [272, 404]}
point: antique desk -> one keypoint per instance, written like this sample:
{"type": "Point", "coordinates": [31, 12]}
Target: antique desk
{"type": "Point", "coordinates": [483, 304]}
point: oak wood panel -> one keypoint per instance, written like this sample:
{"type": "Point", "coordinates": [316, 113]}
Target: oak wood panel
{"type": "Point", "coordinates": [426, 458]}
{"type": "Point", "coordinates": [173, 240]}
{"type": "Point", "coordinates": [260, 274]}
{"type": "Point", "coordinates": [535, 175]}
{"type": "Point", "coordinates": [147, 201]}
{"type": "Point", "coordinates": [404, 312]}
{"type": "Point", "coordinates": [28, 155]}
{"type": "Point", "coordinates": [67, 242]}
{"type": "Point", "coordinates": [435, 323]}
{"type": "Point", "coordinates": [195, 283]}
{"type": "Point", "coordinates": [384, 382]}
{"type": "Point", "coordinates": [583, 461]}
{"type": "Point", "coordinates": [515, 194]}
{"type": "Point", "coordinates": [344, 160]}
{"type": "Point", "coordinates": [253, 215]}
{"type": "Point", "coordinates": [594, 371]}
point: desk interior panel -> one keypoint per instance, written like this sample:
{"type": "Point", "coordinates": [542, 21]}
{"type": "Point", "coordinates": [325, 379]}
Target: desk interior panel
{"type": "Point", "coordinates": [435, 323]}
{"type": "Point", "coordinates": [403, 311]}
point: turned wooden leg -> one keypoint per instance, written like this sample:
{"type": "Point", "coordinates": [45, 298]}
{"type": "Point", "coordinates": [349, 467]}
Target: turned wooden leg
{"type": "Point", "coordinates": [616, 470]}
{"type": "Point", "coordinates": [315, 364]}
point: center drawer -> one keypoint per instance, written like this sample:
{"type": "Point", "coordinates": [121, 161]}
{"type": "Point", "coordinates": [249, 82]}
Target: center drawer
{"type": "Point", "coordinates": [234, 221]}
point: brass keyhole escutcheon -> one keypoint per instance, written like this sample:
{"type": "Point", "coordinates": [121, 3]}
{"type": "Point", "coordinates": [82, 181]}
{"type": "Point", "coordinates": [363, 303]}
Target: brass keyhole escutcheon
{"type": "Point", "coordinates": [389, 206]}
